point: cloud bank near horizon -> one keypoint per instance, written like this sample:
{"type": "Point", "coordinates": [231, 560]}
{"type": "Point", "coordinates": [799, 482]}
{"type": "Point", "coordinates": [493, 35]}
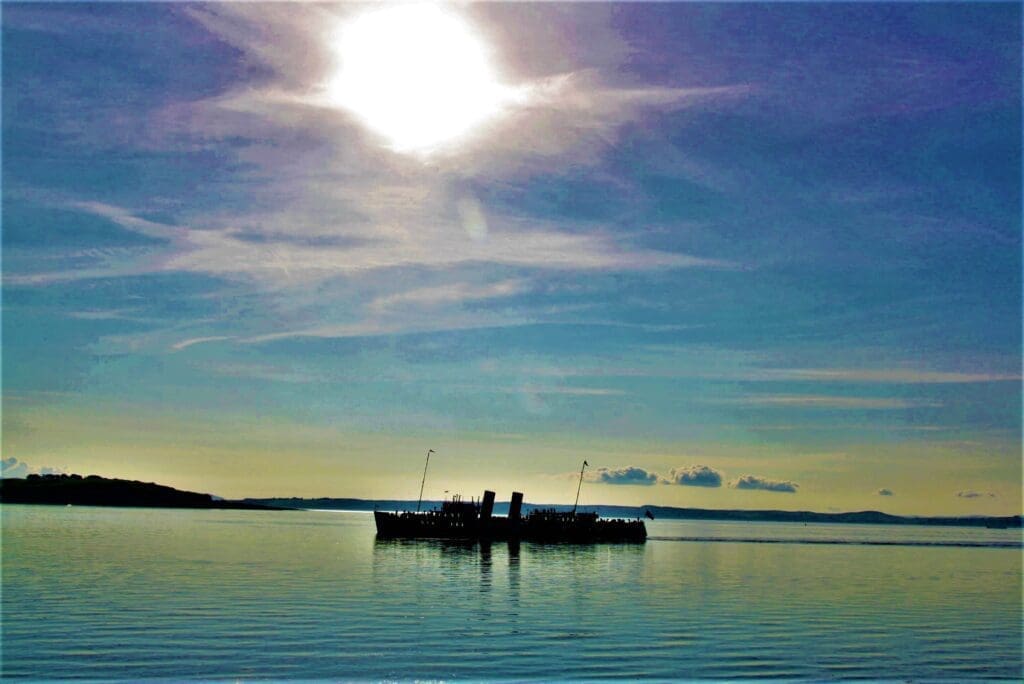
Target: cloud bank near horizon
{"type": "Point", "coordinates": [689, 476]}
{"type": "Point", "coordinates": [11, 467]}
{"type": "Point", "coordinates": [971, 494]}
{"type": "Point", "coordinates": [695, 476]}
{"type": "Point", "coordinates": [629, 475]}
{"type": "Point", "coordinates": [765, 484]}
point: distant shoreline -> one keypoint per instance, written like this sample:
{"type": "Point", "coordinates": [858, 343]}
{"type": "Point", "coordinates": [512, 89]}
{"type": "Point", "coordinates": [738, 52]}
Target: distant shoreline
{"type": "Point", "coordinates": [93, 490]}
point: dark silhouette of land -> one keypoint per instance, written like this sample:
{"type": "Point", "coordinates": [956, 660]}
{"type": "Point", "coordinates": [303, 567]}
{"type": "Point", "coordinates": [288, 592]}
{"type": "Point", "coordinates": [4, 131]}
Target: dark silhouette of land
{"type": "Point", "coordinates": [667, 512]}
{"type": "Point", "coordinates": [100, 491]}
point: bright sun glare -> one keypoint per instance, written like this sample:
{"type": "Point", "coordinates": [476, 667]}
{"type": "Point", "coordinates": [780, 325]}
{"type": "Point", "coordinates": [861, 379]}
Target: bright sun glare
{"type": "Point", "coordinates": [417, 75]}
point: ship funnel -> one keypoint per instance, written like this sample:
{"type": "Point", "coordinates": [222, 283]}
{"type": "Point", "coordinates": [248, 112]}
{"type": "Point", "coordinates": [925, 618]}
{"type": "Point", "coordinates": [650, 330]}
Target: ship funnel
{"type": "Point", "coordinates": [515, 507]}
{"type": "Point", "coordinates": [487, 507]}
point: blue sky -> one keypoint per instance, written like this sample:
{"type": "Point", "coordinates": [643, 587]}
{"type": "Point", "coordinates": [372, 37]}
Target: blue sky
{"type": "Point", "coordinates": [770, 241]}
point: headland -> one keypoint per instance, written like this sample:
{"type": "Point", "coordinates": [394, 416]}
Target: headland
{"type": "Point", "coordinates": [93, 490]}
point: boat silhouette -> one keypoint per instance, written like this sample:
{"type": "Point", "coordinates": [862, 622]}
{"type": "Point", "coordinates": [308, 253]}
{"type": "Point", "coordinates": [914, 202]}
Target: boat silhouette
{"type": "Point", "coordinates": [475, 520]}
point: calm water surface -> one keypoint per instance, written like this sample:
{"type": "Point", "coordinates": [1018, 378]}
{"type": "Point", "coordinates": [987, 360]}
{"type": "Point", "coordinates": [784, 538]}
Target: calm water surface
{"type": "Point", "coordinates": [145, 593]}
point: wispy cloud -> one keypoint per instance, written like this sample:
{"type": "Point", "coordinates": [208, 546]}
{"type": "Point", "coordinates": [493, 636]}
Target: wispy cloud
{"type": "Point", "coordinates": [374, 327]}
{"type": "Point", "coordinates": [764, 483]}
{"type": "Point", "coordinates": [836, 402]}
{"type": "Point", "coordinates": [564, 114]}
{"type": "Point", "coordinates": [453, 292]}
{"type": "Point", "coordinates": [402, 235]}
{"type": "Point", "coordinates": [104, 314]}
{"type": "Point", "coordinates": [572, 118]}
{"type": "Point", "coordinates": [738, 367]}
{"type": "Point", "coordinates": [540, 390]}
{"type": "Point", "coordinates": [826, 427]}
{"type": "Point", "coordinates": [568, 391]}
{"type": "Point", "coordinates": [891, 375]}
{"type": "Point", "coordinates": [128, 220]}
{"type": "Point", "coordinates": [268, 372]}
{"type": "Point", "coordinates": [971, 494]}
{"type": "Point", "coordinates": [233, 253]}
{"type": "Point", "coordinates": [185, 344]}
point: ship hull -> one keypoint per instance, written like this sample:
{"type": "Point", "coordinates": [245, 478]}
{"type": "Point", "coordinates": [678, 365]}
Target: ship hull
{"type": "Point", "coordinates": [429, 525]}
{"type": "Point", "coordinates": [583, 529]}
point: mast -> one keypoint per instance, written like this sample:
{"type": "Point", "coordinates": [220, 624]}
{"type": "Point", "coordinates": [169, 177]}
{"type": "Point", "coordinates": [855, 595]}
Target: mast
{"type": "Point", "coordinates": [578, 488]}
{"type": "Point", "coordinates": [424, 481]}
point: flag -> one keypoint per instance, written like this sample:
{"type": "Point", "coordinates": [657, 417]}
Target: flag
{"type": "Point", "coordinates": [649, 514]}
{"type": "Point", "coordinates": [585, 464]}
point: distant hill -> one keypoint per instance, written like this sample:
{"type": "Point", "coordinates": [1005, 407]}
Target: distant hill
{"type": "Point", "coordinates": [664, 512]}
{"type": "Point", "coordinates": [100, 491]}
{"type": "Point", "coordinates": [860, 517]}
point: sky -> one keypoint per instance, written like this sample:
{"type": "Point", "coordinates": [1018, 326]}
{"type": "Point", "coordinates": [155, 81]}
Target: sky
{"type": "Point", "coordinates": [733, 255]}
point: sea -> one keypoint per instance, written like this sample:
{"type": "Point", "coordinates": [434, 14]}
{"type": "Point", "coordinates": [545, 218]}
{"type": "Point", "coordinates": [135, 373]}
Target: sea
{"type": "Point", "coordinates": [158, 594]}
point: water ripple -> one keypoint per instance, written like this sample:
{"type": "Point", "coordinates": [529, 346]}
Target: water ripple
{"type": "Point", "coordinates": [198, 595]}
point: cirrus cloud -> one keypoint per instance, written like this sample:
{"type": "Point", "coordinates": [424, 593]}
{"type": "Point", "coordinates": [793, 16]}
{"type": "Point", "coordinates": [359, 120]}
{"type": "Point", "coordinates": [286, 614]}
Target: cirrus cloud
{"type": "Point", "coordinates": [836, 402]}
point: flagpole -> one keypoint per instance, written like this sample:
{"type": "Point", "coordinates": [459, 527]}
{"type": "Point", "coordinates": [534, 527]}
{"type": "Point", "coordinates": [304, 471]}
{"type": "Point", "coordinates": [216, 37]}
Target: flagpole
{"type": "Point", "coordinates": [578, 488]}
{"type": "Point", "coordinates": [429, 451]}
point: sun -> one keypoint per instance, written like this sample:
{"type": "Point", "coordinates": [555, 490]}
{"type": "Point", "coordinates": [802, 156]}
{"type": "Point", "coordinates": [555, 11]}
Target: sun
{"type": "Point", "coordinates": [417, 75]}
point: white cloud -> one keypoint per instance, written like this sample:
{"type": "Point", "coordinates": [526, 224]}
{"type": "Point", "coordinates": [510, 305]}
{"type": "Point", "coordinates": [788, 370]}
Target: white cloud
{"type": "Point", "coordinates": [371, 327]}
{"type": "Point", "coordinates": [104, 314]}
{"type": "Point", "coordinates": [543, 389]}
{"type": "Point", "coordinates": [282, 253]}
{"type": "Point", "coordinates": [11, 467]}
{"type": "Point", "coordinates": [570, 119]}
{"type": "Point", "coordinates": [628, 475]}
{"type": "Point", "coordinates": [563, 110]}
{"type": "Point", "coordinates": [184, 344]}
{"type": "Point", "coordinates": [278, 260]}
{"type": "Point", "coordinates": [695, 476]}
{"type": "Point", "coordinates": [568, 391]}
{"type": "Point", "coordinates": [884, 375]}
{"type": "Point", "coordinates": [270, 34]}
{"type": "Point", "coordinates": [764, 483]}
{"type": "Point", "coordinates": [452, 292]}
{"type": "Point", "coordinates": [126, 219]}
{"type": "Point", "coordinates": [837, 402]}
